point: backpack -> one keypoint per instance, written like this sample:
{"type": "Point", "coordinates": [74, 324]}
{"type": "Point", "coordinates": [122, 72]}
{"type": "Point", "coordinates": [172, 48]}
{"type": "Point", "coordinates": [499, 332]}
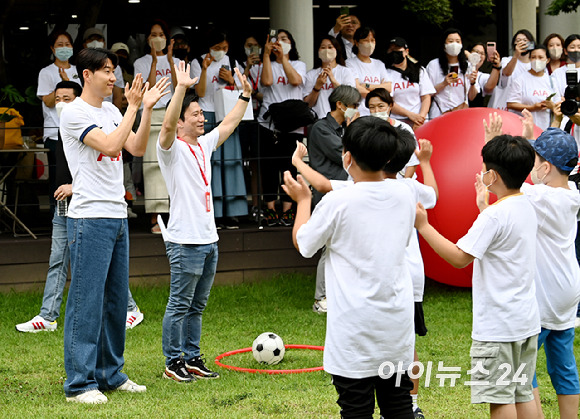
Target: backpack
{"type": "Point", "coordinates": [290, 115]}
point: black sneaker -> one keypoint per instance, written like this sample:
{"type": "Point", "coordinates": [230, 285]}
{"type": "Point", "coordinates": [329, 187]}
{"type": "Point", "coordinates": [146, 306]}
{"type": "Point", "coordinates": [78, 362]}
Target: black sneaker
{"type": "Point", "coordinates": [197, 367]}
{"type": "Point", "coordinates": [177, 371]}
{"type": "Point", "coordinates": [231, 223]}
{"type": "Point", "coordinates": [418, 413]}
{"type": "Point", "coordinates": [288, 218]}
{"type": "Point", "coordinates": [271, 217]}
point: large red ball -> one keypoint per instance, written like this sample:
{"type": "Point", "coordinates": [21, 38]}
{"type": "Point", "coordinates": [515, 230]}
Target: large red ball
{"type": "Point", "coordinates": [457, 139]}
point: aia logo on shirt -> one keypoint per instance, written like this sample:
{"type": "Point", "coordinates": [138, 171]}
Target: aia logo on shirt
{"type": "Point", "coordinates": [371, 80]}
{"type": "Point", "coordinates": [541, 93]}
{"type": "Point", "coordinates": [327, 86]}
{"type": "Point", "coordinates": [282, 80]}
{"type": "Point", "coordinates": [403, 85]}
{"type": "Point", "coordinates": [118, 158]}
{"type": "Point", "coordinates": [459, 82]}
{"type": "Point", "coordinates": [163, 73]}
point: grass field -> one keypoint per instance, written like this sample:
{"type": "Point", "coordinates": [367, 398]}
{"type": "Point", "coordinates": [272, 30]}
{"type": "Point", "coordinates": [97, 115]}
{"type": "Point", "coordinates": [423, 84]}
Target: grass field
{"type": "Point", "coordinates": [32, 371]}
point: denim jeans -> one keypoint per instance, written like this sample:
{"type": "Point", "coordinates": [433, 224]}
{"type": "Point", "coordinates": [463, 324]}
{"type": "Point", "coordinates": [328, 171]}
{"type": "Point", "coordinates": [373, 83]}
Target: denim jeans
{"type": "Point", "coordinates": [58, 270]}
{"type": "Point", "coordinates": [94, 328]}
{"type": "Point", "coordinates": [193, 270]}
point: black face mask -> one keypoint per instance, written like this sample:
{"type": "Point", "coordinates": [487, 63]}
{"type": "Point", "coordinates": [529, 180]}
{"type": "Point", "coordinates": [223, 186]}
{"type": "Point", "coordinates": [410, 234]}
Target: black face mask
{"type": "Point", "coordinates": [180, 53]}
{"type": "Point", "coordinates": [396, 57]}
{"type": "Point", "coordinates": [123, 62]}
{"type": "Point", "coordinates": [574, 56]}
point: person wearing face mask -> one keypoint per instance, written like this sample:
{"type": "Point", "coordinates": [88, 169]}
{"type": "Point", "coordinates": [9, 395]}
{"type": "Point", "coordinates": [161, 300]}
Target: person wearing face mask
{"type": "Point", "coordinates": [156, 64]}
{"type": "Point", "coordinates": [369, 73]}
{"type": "Point", "coordinates": [281, 78]}
{"type": "Point", "coordinates": [412, 87]}
{"type": "Point", "coordinates": [328, 73]}
{"type": "Point", "coordinates": [94, 38]}
{"type": "Point", "coordinates": [61, 45]}
{"type": "Point", "coordinates": [181, 48]}
{"type": "Point", "coordinates": [572, 48]}
{"type": "Point", "coordinates": [448, 73]}
{"type": "Point", "coordinates": [531, 90]}
{"type": "Point", "coordinates": [214, 71]}
{"type": "Point", "coordinates": [380, 104]}
{"type": "Point", "coordinates": [512, 67]}
{"type": "Point", "coordinates": [344, 30]}
{"type": "Point", "coordinates": [555, 45]}
{"type": "Point", "coordinates": [483, 82]}
{"type": "Point", "coordinates": [122, 51]}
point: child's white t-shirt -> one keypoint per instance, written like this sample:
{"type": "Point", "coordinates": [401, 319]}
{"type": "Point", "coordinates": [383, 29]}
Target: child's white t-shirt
{"type": "Point", "coordinates": [557, 270]}
{"type": "Point", "coordinates": [503, 241]}
{"type": "Point", "coordinates": [407, 94]}
{"type": "Point", "coordinates": [189, 220]}
{"type": "Point", "coordinates": [98, 190]}
{"type": "Point", "coordinates": [371, 73]}
{"type": "Point", "coordinates": [413, 161]}
{"type": "Point", "coordinates": [370, 320]}
{"type": "Point", "coordinates": [48, 78]}
{"type": "Point", "coordinates": [452, 95]}
{"type": "Point", "coordinates": [342, 74]}
{"type": "Point", "coordinates": [213, 81]}
{"type": "Point", "coordinates": [143, 65]}
{"type": "Point", "coordinates": [528, 89]}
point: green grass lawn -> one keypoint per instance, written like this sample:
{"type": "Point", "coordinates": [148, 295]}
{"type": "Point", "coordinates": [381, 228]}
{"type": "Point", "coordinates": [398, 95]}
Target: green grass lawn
{"type": "Point", "coordinates": [32, 371]}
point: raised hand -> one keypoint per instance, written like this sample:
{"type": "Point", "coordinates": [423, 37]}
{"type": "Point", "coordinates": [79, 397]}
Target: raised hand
{"type": "Point", "coordinates": [206, 61]}
{"type": "Point", "coordinates": [246, 86]}
{"type": "Point", "coordinates": [300, 152]}
{"type": "Point", "coordinates": [297, 189]}
{"type": "Point", "coordinates": [425, 151]}
{"type": "Point", "coordinates": [170, 50]}
{"type": "Point", "coordinates": [152, 96]}
{"type": "Point", "coordinates": [528, 124]}
{"type": "Point", "coordinates": [481, 193]}
{"type": "Point", "coordinates": [183, 75]}
{"type": "Point", "coordinates": [134, 94]}
{"type": "Point", "coordinates": [494, 128]}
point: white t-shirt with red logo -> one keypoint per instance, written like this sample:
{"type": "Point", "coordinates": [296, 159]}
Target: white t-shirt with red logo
{"type": "Point", "coordinates": [529, 90]}
{"type": "Point", "coordinates": [407, 94]}
{"type": "Point", "coordinates": [98, 190]}
{"type": "Point", "coordinates": [213, 81]}
{"type": "Point", "coordinates": [367, 73]}
{"type": "Point", "coordinates": [452, 95]}
{"type": "Point", "coordinates": [280, 90]}
{"type": "Point", "coordinates": [143, 65]}
{"type": "Point", "coordinates": [342, 74]}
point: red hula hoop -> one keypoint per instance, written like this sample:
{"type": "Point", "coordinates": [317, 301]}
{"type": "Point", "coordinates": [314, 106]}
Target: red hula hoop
{"type": "Point", "coordinates": [254, 370]}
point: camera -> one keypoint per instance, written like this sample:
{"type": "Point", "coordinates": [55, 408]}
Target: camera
{"type": "Point", "coordinates": [571, 94]}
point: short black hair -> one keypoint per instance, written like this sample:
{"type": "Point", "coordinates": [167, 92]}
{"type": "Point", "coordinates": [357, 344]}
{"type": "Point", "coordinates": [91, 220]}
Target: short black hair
{"type": "Point", "coordinates": [405, 149]}
{"type": "Point", "coordinates": [382, 93]}
{"type": "Point", "coordinates": [371, 141]}
{"type": "Point", "coordinates": [94, 59]}
{"type": "Point", "coordinates": [67, 84]}
{"type": "Point", "coordinates": [511, 157]}
{"type": "Point", "coordinates": [189, 98]}
{"type": "Point", "coordinates": [55, 34]}
{"type": "Point", "coordinates": [524, 32]}
{"type": "Point", "coordinates": [362, 33]}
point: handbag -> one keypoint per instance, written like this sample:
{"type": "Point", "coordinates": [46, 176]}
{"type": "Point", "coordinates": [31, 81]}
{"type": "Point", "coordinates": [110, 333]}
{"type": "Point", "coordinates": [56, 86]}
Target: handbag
{"type": "Point", "coordinates": [290, 115]}
{"type": "Point", "coordinates": [224, 101]}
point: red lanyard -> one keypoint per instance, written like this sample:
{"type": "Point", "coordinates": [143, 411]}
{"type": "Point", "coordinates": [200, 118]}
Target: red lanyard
{"type": "Point", "coordinates": [202, 171]}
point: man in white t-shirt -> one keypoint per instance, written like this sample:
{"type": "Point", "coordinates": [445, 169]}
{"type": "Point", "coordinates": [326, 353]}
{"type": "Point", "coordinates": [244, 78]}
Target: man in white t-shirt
{"type": "Point", "coordinates": [94, 132]}
{"type": "Point", "coordinates": [502, 241]}
{"type": "Point", "coordinates": [369, 289]}
{"type": "Point", "coordinates": [184, 153]}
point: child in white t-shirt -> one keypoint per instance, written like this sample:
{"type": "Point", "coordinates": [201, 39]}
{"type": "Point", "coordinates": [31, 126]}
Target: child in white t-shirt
{"type": "Point", "coordinates": [369, 291]}
{"type": "Point", "coordinates": [502, 240]}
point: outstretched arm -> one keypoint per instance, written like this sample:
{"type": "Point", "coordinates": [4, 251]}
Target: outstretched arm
{"type": "Point", "coordinates": [494, 128]}
{"type": "Point", "coordinates": [443, 247]}
{"type": "Point", "coordinates": [318, 181]}
{"type": "Point", "coordinates": [299, 191]}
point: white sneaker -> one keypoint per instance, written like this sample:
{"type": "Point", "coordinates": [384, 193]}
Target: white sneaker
{"type": "Point", "coordinates": [37, 324]}
{"type": "Point", "coordinates": [319, 306]}
{"type": "Point", "coordinates": [577, 323]}
{"type": "Point", "coordinates": [130, 213]}
{"type": "Point", "coordinates": [134, 318]}
{"type": "Point", "coordinates": [89, 397]}
{"type": "Point", "coordinates": [130, 387]}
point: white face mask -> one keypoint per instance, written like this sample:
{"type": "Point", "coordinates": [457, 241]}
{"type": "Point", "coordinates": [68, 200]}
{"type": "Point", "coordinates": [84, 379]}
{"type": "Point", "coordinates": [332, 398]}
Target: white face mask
{"type": "Point", "coordinates": [345, 168]}
{"type": "Point", "coordinates": [327, 55]}
{"type": "Point", "coordinates": [349, 112]}
{"type": "Point", "coordinates": [248, 51]}
{"type": "Point", "coordinates": [158, 43]}
{"type": "Point", "coordinates": [217, 55]}
{"type": "Point", "coordinates": [286, 47]}
{"type": "Point", "coordinates": [384, 115]}
{"type": "Point", "coordinates": [534, 175]}
{"type": "Point", "coordinates": [59, 107]}
{"type": "Point", "coordinates": [366, 48]}
{"type": "Point", "coordinates": [96, 44]}
{"type": "Point", "coordinates": [538, 65]}
{"type": "Point", "coordinates": [453, 49]}
{"type": "Point", "coordinates": [555, 53]}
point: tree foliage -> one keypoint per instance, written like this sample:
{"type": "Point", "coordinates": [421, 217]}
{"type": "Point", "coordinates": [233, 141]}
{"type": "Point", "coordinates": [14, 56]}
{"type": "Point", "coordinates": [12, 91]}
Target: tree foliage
{"type": "Point", "coordinates": [439, 12]}
{"type": "Point", "coordinates": [562, 6]}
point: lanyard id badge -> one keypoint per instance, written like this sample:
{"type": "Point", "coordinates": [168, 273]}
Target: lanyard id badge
{"type": "Point", "coordinates": [202, 171]}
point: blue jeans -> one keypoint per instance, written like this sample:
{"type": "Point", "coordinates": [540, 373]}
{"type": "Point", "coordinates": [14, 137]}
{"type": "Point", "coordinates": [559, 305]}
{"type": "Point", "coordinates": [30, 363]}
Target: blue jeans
{"type": "Point", "coordinates": [94, 328]}
{"type": "Point", "coordinates": [58, 270]}
{"type": "Point", "coordinates": [193, 270]}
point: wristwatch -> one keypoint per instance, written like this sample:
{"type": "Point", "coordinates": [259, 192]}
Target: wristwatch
{"type": "Point", "coordinates": [367, 85]}
{"type": "Point", "coordinates": [242, 97]}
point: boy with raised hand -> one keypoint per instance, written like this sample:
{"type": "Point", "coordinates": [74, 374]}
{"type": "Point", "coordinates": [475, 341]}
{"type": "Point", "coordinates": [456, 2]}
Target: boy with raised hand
{"type": "Point", "coordinates": [184, 153]}
{"type": "Point", "coordinates": [502, 241]}
{"type": "Point", "coordinates": [369, 291]}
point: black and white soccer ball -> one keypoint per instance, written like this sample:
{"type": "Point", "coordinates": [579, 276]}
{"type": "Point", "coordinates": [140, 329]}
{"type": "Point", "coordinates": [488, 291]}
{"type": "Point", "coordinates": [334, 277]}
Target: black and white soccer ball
{"type": "Point", "coordinates": [268, 348]}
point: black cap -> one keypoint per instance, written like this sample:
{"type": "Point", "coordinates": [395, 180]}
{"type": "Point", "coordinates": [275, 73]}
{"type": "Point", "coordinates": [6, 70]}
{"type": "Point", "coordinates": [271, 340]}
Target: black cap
{"type": "Point", "coordinates": [398, 41]}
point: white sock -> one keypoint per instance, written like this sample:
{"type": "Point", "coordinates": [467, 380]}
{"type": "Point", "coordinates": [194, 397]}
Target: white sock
{"type": "Point", "coordinates": [414, 399]}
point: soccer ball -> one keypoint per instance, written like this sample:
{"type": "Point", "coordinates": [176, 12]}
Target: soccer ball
{"type": "Point", "coordinates": [268, 348]}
